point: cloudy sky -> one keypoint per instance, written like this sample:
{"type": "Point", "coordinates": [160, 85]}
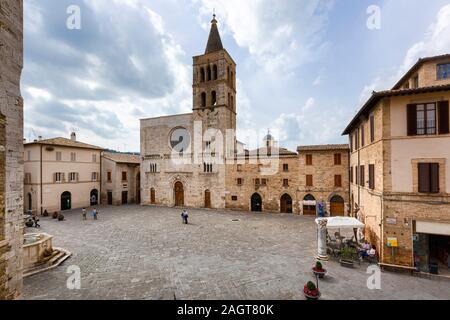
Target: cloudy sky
{"type": "Point", "coordinates": [304, 66]}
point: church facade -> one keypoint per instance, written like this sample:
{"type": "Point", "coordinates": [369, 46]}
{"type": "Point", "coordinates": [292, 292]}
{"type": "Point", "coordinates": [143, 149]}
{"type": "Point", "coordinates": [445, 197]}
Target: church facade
{"type": "Point", "coordinates": [194, 159]}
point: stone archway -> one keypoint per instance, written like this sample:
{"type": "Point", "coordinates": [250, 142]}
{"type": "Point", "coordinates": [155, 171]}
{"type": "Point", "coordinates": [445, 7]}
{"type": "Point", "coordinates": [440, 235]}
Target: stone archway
{"type": "Point", "coordinates": [256, 203]}
{"type": "Point", "coordinates": [286, 203]}
{"type": "Point", "coordinates": [337, 206]}
{"type": "Point", "coordinates": [309, 205]}
{"type": "Point", "coordinates": [66, 201]}
{"type": "Point", "coordinates": [178, 191]}
{"type": "Point", "coordinates": [94, 197]}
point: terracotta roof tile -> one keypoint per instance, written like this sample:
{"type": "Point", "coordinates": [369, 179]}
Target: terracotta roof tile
{"type": "Point", "coordinates": [63, 142]}
{"type": "Point", "coordinates": [323, 147]}
{"type": "Point", "coordinates": [123, 157]}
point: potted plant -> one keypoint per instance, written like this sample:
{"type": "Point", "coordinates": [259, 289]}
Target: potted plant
{"type": "Point", "coordinates": [29, 223]}
{"type": "Point", "coordinates": [347, 254]}
{"type": "Point", "coordinates": [60, 217]}
{"type": "Point", "coordinates": [55, 215]}
{"type": "Point", "coordinates": [311, 292]}
{"type": "Point", "coordinates": [319, 270]}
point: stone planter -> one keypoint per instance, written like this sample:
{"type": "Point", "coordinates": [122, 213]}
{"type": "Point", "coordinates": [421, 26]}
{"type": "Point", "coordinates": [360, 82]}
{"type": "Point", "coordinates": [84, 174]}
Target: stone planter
{"type": "Point", "coordinates": [346, 263]}
{"type": "Point", "coordinates": [312, 297]}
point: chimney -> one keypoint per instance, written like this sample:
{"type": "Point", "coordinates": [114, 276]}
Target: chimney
{"type": "Point", "coordinates": [40, 138]}
{"type": "Point", "coordinates": [73, 136]}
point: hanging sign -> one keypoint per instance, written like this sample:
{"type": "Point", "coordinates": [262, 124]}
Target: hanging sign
{"type": "Point", "coordinates": [392, 242]}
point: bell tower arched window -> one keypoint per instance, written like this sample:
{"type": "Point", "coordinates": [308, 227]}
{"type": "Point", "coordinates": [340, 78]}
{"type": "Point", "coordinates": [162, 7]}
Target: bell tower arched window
{"type": "Point", "coordinates": [213, 98]}
{"type": "Point", "coordinates": [215, 72]}
{"type": "Point", "coordinates": [203, 102]}
{"type": "Point", "coordinates": [208, 76]}
{"type": "Point", "coordinates": [202, 74]}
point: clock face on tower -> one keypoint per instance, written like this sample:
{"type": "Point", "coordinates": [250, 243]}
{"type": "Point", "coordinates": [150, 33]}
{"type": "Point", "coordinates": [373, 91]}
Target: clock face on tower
{"type": "Point", "coordinates": [180, 139]}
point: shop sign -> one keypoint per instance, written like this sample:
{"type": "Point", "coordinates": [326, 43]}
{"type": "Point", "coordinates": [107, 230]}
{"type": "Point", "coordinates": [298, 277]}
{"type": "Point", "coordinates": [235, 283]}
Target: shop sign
{"type": "Point", "coordinates": [392, 242]}
{"type": "Point", "coordinates": [391, 221]}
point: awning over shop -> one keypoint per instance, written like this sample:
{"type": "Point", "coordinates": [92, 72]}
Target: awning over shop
{"type": "Point", "coordinates": [342, 223]}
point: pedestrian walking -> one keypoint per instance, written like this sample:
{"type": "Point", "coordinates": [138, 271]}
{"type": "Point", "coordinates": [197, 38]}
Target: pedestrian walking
{"type": "Point", "coordinates": [83, 212]}
{"type": "Point", "coordinates": [185, 216]}
{"type": "Point", "coordinates": [95, 214]}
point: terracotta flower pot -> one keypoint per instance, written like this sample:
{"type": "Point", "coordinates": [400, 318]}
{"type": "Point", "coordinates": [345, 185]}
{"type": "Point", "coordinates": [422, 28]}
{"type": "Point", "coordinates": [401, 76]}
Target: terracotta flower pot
{"type": "Point", "coordinates": [320, 273]}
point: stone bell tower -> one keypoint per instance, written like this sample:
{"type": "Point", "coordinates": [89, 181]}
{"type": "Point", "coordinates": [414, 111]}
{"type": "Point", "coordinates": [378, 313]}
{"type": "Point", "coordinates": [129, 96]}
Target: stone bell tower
{"type": "Point", "coordinates": [214, 85]}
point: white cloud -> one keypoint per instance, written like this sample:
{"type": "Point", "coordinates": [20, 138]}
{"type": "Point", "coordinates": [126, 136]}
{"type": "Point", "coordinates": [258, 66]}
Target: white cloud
{"type": "Point", "coordinates": [281, 35]}
{"type": "Point", "coordinates": [436, 41]}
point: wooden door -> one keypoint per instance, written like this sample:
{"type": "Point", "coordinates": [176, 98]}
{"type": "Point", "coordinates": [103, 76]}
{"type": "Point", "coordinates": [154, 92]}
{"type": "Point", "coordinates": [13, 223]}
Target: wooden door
{"type": "Point", "coordinates": [337, 209]}
{"type": "Point", "coordinates": [152, 196]}
{"type": "Point", "coordinates": [179, 194]}
{"type": "Point", "coordinates": [207, 199]}
{"type": "Point", "coordinates": [309, 210]}
{"type": "Point", "coordinates": [124, 197]}
{"type": "Point", "coordinates": [286, 204]}
{"type": "Point", "coordinates": [110, 198]}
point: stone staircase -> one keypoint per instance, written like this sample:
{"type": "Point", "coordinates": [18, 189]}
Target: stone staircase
{"type": "Point", "coordinates": [57, 257]}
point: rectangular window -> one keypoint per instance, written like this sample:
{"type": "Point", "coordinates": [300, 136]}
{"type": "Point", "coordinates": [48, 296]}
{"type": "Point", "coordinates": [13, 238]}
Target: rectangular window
{"type": "Point", "coordinates": [73, 177]}
{"type": "Point", "coordinates": [421, 119]}
{"type": "Point", "coordinates": [372, 128]}
{"type": "Point", "coordinates": [58, 156]}
{"type": "Point", "coordinates": [428, 177]}
{"type": "Point", "coordinates": [363, 136]}
{"type": "Point", "coordinates": [372, 176]}
{"type": "Point", "coordinates": [94, 176]}
{"type": "Point", "coordinates": [362, 178]}
{"type": "Point", "coordinates": [264, 182]}
{"type": "Point", "coordinates": [443, 71]}
{"type": "Point", "coordinates": [29, 155]}
{"type": "Point", "coordinates": [257, 182]}
{"type": "Point", "coordinates": [309, 180]}
{"type": "Point", "coordinates": [338, 181]}
{"type": "Point", "coordinates": [234, 198]}
{"type": "Point", "coordinates": [309, 159]}
{"type": "Point", "coordinates": [351, 174]}
{"type": "Point", "coordinates": [285, 167]}
{"type": "Point", "coordinates": [337, 159]}
{"type": "Point", "coordinates": [285, 182]}
{"type": "Point", "coordinates": [124, 176]}
{"type": "Point", "coordinates": [73, 156]}
{"type": "Point", "coordinates": [239, 181]}
{"type": "Point", "coordinates": [356, 175]}
{"type": "Point", "coordinates": [239, 168]}
{"type": "Point", "coordinates": [58, 177]}
{"type": "Point", "coordinates": [94, 158]}
{"type": "Point", "coordinates": [109, 176]}
{"type": "Point", "coordinates": [351, 142]}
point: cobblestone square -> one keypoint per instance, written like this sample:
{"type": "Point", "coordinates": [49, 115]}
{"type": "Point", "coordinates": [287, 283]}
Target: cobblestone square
{"type": "Point", "coordinates": [135, 252]}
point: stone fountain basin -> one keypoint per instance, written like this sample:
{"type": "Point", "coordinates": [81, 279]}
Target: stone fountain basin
{"type": "Point", "coordinates": [34, 248]}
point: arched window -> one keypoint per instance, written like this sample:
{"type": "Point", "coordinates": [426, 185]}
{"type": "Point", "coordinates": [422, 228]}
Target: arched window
{"type": "Point", "coordinates": [202, 74]}
{"type": "Point", "coordinates": [232, 79]}
{"type": "Point", "coordinates": [229, 100]}
{"type": "Point", "coordinates": [203, 99]}
{"type": "Point", "coordinates": [228, 73]}
{"type": "Point", "coordinates": [232, 103]}
{"type": "Point", "coordinates": [208, 77]}
{"type": "Point", "coordinates": [213, 98]}
{"type": "Point", "coordinates": [215, 72]}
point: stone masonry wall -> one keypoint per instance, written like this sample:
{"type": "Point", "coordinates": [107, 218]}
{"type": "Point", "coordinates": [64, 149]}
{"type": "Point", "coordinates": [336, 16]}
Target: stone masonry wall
{"type": "Point", "coordinates": [11, 149]}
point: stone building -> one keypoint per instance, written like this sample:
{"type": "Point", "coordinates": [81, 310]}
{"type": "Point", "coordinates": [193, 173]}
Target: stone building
{"type": "Point", "coordinates": [11, 149]}
{"type": "Point", "coordinates": [120, 178]}
{"type": "Point", "coordinates": [61, 174]}
{"type": "Point", "coordinates": [183, 155]}
{"type": "Point", "coordinates": [324, 177]}
{"type": "Point", "coordinates": [400, 164]}
{"type": "Point", "coordinates": [195, 160]}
